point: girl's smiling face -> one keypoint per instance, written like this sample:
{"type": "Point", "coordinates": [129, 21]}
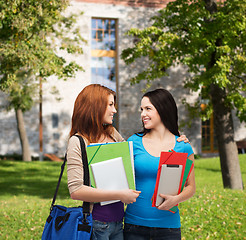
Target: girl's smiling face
{"type": "Point", "coordinates": [149, 115]}
{"type": "Point", "coordinates": [110, 110]}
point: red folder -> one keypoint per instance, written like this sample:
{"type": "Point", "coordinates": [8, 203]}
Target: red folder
{"type": "Point", "coordinates": [175, 158]}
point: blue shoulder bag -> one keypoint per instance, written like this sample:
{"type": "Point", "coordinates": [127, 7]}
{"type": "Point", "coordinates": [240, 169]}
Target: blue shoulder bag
{"type": "Point", "coordinates": [74, 223]}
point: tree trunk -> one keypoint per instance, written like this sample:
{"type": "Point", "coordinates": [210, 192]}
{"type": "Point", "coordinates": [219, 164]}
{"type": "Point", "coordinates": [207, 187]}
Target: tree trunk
{"type": "Point", "coordinates": [26, 155]}
{"type": "Point", "coordinates": [229, 162]}
{"type": "Point", "coordinates": [211, 5]}
{"type": "Point", "coordinates": [228, 153]}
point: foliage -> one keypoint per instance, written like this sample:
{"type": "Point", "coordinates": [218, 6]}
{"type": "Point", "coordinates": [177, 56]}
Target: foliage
{"type": "Point", "coordinates": [21, 92]}
{"type": "Point", "coordinates": [185, 32]}
{"type": "Point", "coordinates": [31, 35]}
{"type": "Point", "coordinates": [213, 213]}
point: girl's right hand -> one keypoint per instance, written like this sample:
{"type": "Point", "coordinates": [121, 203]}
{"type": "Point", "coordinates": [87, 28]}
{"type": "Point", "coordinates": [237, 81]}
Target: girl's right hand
{"type": "Point", "coordinates": [128, 195]}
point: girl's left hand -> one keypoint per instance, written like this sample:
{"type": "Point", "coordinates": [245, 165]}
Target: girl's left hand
{"type": "Point", "coordinates": [170, 201]}
{"type": "Point", "coordinates": [183, 138]}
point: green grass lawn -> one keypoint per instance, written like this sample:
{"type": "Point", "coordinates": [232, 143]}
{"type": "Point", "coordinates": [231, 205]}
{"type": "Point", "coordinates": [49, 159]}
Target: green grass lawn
{"type": "Point", "coordinates": [26, 191]}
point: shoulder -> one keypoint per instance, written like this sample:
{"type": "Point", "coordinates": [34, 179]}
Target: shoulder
{"type": "Point", "coordinates": [116, 136]}
{"type": "Point", "coordinates": [134, 137]}
{"type": "Point", "coordinates": [136, 142]}
{"type": "Point", "coordinates": [183, 147]}
{"type": "Point", "coordinates": [74, 143]}
{"type": "Point", "coordinates": [188, 148]}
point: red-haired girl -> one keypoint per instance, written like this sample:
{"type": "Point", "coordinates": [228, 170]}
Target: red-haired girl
{"type": "Point", "coordinates": [92, 118]}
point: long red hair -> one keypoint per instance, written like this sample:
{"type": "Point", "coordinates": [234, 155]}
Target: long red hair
{"type": "Point", "coordinates": [89, 109]}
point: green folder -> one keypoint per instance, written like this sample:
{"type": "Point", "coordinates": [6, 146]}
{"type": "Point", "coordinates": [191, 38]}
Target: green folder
{"type": "Point", "coordinates": [106, 151]}
{"type": "Point", "coordinates": [188, 166]}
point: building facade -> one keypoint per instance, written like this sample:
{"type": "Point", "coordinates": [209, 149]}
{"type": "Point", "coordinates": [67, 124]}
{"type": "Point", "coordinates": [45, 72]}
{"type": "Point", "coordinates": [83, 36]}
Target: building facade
{"type": "Point", "coordinates": [104, 24]}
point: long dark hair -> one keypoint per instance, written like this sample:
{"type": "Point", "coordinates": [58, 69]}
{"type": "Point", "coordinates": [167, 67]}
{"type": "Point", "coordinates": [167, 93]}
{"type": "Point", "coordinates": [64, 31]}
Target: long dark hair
{"type": "Point", "coordinates": [166, 107]}
{"type": "Point", "coordinates": [89, 109]}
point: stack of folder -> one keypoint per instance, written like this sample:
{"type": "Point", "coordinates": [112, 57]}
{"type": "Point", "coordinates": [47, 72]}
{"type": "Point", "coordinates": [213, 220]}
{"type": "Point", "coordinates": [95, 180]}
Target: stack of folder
{"type": "Point", "coordinates": [111, 166]}
{"type": "Point", "coordinates": [173, 172]}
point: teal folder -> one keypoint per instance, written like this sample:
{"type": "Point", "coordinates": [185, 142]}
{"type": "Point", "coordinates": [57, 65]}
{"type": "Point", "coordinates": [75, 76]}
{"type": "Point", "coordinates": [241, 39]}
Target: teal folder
{"type": "Point", "coordinates": [105, 151]}
{"type": "Point", "coordinates": [188, 167]}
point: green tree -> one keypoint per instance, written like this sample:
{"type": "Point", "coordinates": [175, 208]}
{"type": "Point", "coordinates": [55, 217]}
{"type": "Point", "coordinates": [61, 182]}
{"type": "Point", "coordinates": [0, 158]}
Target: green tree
{"type": "Point", "coordinates": [31, 35]}
{"type": "Point", "coordinates": [209, 37]}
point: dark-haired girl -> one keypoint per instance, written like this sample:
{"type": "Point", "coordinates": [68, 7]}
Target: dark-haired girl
{"type": "Point", "coordinates": [160, 132]}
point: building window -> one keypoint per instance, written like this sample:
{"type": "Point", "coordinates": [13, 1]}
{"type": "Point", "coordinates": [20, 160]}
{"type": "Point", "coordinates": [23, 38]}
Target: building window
{"type": "Point", "coordinates": [209, 143]}
{"type": "Point", "coordinates": [103, 52]}
{"type": "Point", "coordinates": [55, 120]}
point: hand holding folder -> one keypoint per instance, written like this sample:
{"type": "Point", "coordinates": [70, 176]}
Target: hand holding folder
{"type": "Point", "coordinates": [170, 174]}
{"type": "Point", "coordinates": [104, 158]}
{"type": "Point", "coordinates": [173, 178]}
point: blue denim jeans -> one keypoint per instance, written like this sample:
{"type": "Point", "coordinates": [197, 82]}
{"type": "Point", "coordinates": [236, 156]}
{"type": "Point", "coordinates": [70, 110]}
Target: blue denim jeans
{"type": "Point", "coordinates": [107, 230]}
{"type": "Point", "coordinates": [135, 232]}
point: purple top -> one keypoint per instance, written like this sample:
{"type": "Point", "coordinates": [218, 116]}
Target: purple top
{"type": "Point", "coordinates": [108, 213]}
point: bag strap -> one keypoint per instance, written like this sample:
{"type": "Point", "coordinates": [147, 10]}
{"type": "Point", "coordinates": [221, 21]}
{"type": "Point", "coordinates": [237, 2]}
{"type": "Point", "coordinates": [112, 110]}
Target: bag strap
{"type": "Point", "coordinates": [86, 205]}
